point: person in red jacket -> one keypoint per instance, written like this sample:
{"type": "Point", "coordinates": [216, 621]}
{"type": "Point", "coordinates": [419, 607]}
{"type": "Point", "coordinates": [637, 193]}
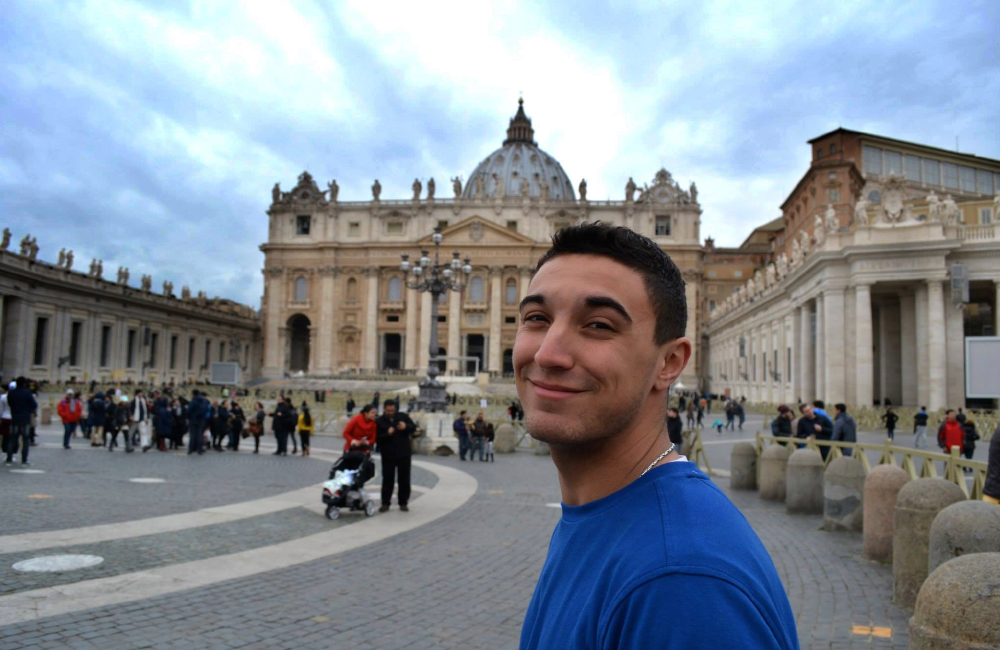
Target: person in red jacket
{"type": "Point", "coordinates": [70, 409]}
{"type": "Point", "coordinates": [951, 434]}
{"type": "Point", "coordinates": [360, 430]}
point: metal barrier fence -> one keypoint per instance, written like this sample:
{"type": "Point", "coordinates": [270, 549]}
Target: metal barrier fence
{"type": "Point", "coordinates": [953, 465]}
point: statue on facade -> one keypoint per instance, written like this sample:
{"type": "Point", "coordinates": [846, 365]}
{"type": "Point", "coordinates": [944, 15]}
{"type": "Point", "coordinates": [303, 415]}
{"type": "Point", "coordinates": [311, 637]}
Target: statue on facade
{"type": "Point", "coordinates": [100, 270]}
{"type": "Point", "coordinates": [933, 207]}
{"type": "Point", "coordinates": [185, 292]}
{"type": "Point", "coordinates": [417, 189]}
{"type": "Point", "coordinates": [751, 289]}
{"type": "Point", "coordinates": [782, 266]}
{"type": "Point", "coordinates": [123, 275]}
{"type": "Point", "coordinates": [796, 254]}
{"type": "Point", "coordinates": [376, 190]}
{"type": "Point", "coordinates": [693, 192]}
{"type": "Point", "coordinates": [430, 189]}
{"type": "Point", "coordinates": [479, 186]}
{"type": "Point", "coordinates": [950, 211]}
{"type": "Point", "coordinates": [93, 266]}
{"type": "Point", "coordinates": [525, 187]}
{"type": "Point", "coordinates": [168, 288]}
{"type": "Point", "coordinates": [498, 186]}
{"type": "Point", "coordinates": [69, 260]}
{"type": "Point", "coordinates": [25, 245]}
{"type": "Point", "coordinates": [543, 187]}
{"type": "Point", "coordinates": [861, 212]}
{"type": "Point", "coordinates": [334, 190]}
{"type": "Point", "coordinates": [62, 257]}
{"type": "Point", "coordinates": [456, 187]}
{"type": "Point", "coordinates": [770, 276]}
{"type": "Point", "coordinates": [805, 242]}
{"type": "Point", "coordinates": [146, 282]}
{"type": "Point", "coordinates": [630, 190]}
{"type": "Point", "coordinates": [33, 249]}
{"type": "Point", "coordinates": [830, 218]}
{"type": "Point", "coordinates": [819, 232]}
{"type": "Point", "coordinates": [583, 190]}
{"type": "Point", "coordinates": [5, 244]}
{"type": "Point", "coordinates": [276, 193]}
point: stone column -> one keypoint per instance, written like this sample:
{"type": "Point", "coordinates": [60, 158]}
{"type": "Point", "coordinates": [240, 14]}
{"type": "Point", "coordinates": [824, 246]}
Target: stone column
{"type": "Point", "coordinates": [936, 357]}
{"type": "Point", "coordinates": [807, 373]}
{"type": "Point", "coordinates": [324, 333]}
{"type": "Point", "coordinates": [496, 290]}
{"type": "Point", "coordinates": [864, 360]}
{"type": "Point", "coordinates": [820, 351]}
{"type": "Point", "coordinates": [455, 327]}
{"type": "Point", "coordinates": [996, 304]}
{"type": "Point", "coordinates": [410, 354]}
{"type": "Point", "coordinates": [923, 369]}
{"type": "Point", "coordinates": [908, 348]}
{"type": "Point", "coordinates": [274, 276]}
{"type": "Point", "coordinates": [369, 356]}
{"type": "Point", "coordinates": [833, 337]}
{"type": "Point", "coordinates": [423, 353]}
{"type": "Point", "coordinates": [525, 273]}
{"type": "Point", "coordinates": [787, 325]}
{"type": "Point", "coordinates": [955, 352]}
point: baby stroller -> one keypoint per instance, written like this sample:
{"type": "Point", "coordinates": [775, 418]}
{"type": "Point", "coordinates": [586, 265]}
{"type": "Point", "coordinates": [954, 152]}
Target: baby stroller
{"type": "Point", "coordinates": [345, 487]}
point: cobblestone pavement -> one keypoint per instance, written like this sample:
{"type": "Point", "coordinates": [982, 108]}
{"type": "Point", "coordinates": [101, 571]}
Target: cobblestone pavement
{"type": "Point", "coordinates": [462, 581]}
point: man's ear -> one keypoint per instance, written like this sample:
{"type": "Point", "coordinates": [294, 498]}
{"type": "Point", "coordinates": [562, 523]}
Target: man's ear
{"type": "Point", "coordinates": [674, 358]}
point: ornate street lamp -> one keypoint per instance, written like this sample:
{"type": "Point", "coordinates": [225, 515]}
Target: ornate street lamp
{"type": "Point", "coordinates": [438, 279]}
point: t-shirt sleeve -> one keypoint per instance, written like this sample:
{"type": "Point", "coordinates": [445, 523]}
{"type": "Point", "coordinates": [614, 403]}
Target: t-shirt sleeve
{"type": "Point", "coordinates": [688, 612]}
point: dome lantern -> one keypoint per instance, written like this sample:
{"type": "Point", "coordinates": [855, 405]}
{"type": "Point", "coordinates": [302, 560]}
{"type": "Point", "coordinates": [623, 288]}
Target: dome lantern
{"type": "Point", "coordinates": [520, 127]}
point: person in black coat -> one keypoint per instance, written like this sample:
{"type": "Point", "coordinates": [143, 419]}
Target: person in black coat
{"type": "Point", "coordinates": [675, 428]}
{"type": "Point", "coordinates": [814, 426]}
{"type": "Point", "coordinates": [282, 412]}
{"type": "Point", "coordinates": [392, 439]}
{"type": "Point", "coordinates": [991, 488]}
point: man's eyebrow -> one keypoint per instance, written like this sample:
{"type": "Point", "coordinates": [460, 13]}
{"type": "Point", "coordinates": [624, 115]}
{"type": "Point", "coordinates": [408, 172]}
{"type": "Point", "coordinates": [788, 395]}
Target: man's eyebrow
{"type": "Point", "coordinates": [604, 301]}
{"type": "Point", "coordinates": [535, 298]}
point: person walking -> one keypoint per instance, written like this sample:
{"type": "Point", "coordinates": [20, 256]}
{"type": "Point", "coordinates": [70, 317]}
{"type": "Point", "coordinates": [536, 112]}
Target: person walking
{"type": "Point", "coordinates": [490, 437]}
{"type": "Point", "coordinates": [393, 431]}
{"type": "Point", "coordinates": [690, 414]}
{"type": "Point", "coordinates": [165, 425]}
{"type": "Point", "coordinates": [198, 412]}
{"type": "Point", "coordinates": [138, 424]}
{"type": "Point", "coordinates": [478, 434]}
{"type": "Point", "coordinates": [180, 423]}
{"type": "Point", "coordinates": [360, 430]}
{"type": "Point", "coordinates": [279, 422]}
{"type": "Point", "coordinates": [844, 428]}
{"type": "Point", "coordinates": [5, 436]}
{"type": "Point", "coordinates": [675, 430]}
{"type": "Point", "coordinates": [741, 412]}
{"type": "Point", "coordinates": [991, 488]}
{"type": "Point", "coordinates": [970, 436]}
{"type": "Point", "coordinates": [731, 415]}
{"type": "Point", "coordinates": [305, 425]}
{"type": "Point", "coordinates": [98, 413]}
{"type": "Point", "coordinates": [950, 433]}
{"type": "Point", "coordinates": [350, 405]}
{"type": "Point", "coordinates": [237, 420]}
{"type": "Point", "coordinates": [920, 428]}
{"type": "Point", "coordinates": [257, 426]}
{"type": "Point", "coordinates": [291, 420]}
{"type": "Point", "coordinates": [70, 411]}
{"type": "Point", "coordinates": [462, 431]}
{"type": "Point", "coordinates": [890, 419]}
{"type": "Point", "coordinates": [85, 425]}
{"type": "Point", "coordinates": [122, 419]}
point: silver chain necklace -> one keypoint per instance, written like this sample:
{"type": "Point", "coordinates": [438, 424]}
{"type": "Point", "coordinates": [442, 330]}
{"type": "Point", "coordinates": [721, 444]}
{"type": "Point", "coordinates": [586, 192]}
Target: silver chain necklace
{"type": "Point", "coordinates": [658, 459]}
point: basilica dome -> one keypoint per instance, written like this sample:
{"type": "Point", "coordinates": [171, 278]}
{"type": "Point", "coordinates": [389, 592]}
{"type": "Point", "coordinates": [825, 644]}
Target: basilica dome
{"type": "Point", "coordinates": [519, 168]}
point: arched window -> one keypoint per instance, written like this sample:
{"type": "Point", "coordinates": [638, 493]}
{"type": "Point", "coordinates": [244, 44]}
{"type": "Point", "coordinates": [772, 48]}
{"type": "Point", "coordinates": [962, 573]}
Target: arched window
{"type": "Point", "coordinates": [395, 289]}
{"type": "Point", "coordinates": [301, 289]}
{"type": "Point", "coordinates": [476, 290]}
{"type": "Point", "coordinates": [352, 290]}
{"type": "Point", "coordinates": [510, 291]}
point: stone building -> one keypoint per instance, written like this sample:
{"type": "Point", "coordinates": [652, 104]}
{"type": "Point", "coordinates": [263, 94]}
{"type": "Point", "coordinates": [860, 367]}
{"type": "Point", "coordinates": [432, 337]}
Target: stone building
{"type": "Point", "coordinates": [58, 324]}
{"type": "Point", "coordinates": [867, 312]}
{"type": "Point", "coordinates": [335, 300]}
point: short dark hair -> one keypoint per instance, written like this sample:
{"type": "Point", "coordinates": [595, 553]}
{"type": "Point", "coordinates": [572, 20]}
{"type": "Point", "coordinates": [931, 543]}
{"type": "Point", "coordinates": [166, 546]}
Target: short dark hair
{"type": "Point", "coordinates": [819, 404]}
{"type": "Point", "coordinates": [389, 402]}
{"type": "Point", "coordinates": [461, 412]}
{"type": "Point", "coordinates": [367, 407]}
{"type": "Point", "coordinates": [949, 411]}
{"type": "Point", "coordinates": [841, 407]}
{"type": "Point", "coordinates": [662, 278]}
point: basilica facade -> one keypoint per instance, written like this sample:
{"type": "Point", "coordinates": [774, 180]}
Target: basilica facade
{"type": "Point", "coordinates": [335, 299]}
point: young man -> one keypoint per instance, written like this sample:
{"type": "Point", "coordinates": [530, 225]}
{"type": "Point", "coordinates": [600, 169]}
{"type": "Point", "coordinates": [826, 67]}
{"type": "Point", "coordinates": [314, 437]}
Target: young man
{"type": "Point", "coordinates": [462, 432]}
{"type": "Point", "coordinates": [70, 411]}
{"type": "Point", "coordinates": [393, 431]}
{"type": "Point", "coordinates": [920, 428]}
{"type": "Point", "coordinates": [22, 404]}
{"type": "Point", "coordinates": [813, 425]}
{"type": "Point", "coordinates": [601, 340]}
{"type": "Point", "coordinates": [844, 427]}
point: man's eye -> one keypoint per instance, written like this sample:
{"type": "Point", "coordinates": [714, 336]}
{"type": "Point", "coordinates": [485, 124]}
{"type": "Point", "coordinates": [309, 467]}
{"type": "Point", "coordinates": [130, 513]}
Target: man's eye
{"type": "Point", "coordinates": [601, 326]}
{"type": "Point", "coordinates": [533, 317]}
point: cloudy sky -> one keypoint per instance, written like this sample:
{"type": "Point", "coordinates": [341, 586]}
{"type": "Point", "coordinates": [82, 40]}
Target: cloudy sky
{"type": "Point", "coordinates": [149, 134]}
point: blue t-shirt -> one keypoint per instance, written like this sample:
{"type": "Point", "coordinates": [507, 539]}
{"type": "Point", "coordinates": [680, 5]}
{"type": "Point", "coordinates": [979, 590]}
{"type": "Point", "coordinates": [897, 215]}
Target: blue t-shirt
{"type": "Point", "coordinates": [667, 562]}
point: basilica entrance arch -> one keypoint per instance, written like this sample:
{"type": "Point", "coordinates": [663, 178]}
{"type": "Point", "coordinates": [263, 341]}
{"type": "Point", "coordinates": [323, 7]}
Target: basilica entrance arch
{"type": "Point", "coordinates": [298, 337]}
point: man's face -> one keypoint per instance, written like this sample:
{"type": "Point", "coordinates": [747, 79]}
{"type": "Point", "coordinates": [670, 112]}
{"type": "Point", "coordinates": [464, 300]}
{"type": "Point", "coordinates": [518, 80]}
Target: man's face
{"type": "Point", "coordinates": [585, 362]}
{"type": "Point", "coordinates": [368, 415]}
{"type": "Point", "coordinates": [390, 410]}
{"type": "Point", "coordinates": [951, 416]}
{"type": "Point", "coordinates": [807, 412]}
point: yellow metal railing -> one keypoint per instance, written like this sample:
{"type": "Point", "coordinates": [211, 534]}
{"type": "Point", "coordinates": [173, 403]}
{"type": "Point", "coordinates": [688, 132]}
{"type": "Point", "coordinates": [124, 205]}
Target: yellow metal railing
{"type": "Point", "coordinates": [953, 464]}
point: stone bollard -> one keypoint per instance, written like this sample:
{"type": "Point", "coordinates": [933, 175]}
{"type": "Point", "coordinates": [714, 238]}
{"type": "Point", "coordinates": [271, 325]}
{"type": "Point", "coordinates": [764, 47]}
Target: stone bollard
{"type": "Point", "coordinates": [881, 487]}
{"type": "Point", "coordinates": [340, 425]}
{"type": "Point", "coordinates": [919, 501]}
{"type": "Point", "coordinates": [804, 482]}
{"type": "Point", "coordinates": [422, 446]}
{"type": "Point", "coordinates": [962, 528]}
{"type": "Point", "coordinates": [958, 608]}
{"type": "Point", "coordinates": [541, 448]}
{"type": "Point", "coordinates": [506, 439]}
{"type": "Point", "coordinates": [46, 416]}
{"type": "Point", "coordinates": [773, 463]}
{"type": "Point", "coordinates": [843, 494]}
{"type": "Point", "coordinates": [743, 467]}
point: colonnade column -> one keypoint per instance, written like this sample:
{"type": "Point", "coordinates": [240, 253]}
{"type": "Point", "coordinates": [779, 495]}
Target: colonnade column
{"type": "Point", "coordinates": [807, 372]}
{"type": "Point", "coordinates": [996, 306]}
{"type": "Point", "coordinates": [864, 359]}
{"type": "Point", "coordinates": [522, 286]}
{"type": "Point", "coordinates": [274, 276]}
{"type": "Point", "coordinates": [767, 343]}
{"type": "Point", "coordinates": [370, 356]}
{"type": "Point", "coordinates": [410, 354]}
{"type": "Point", "coordinates": [423, 353]}
{"type": "Point", "coordinates": [455, 327]}
{"type": "Point", "coordinates": [923, 369]}
{"type": "Point", "coordinates": [833, 350]}
{"type": "Point", "coordinates": [908, 348]}
{"type": "Point", "coordinates": [324, 333]}
{"type": "Point", "coordinates": [496, 275]}
{"type": "Point", "coordinates": [936, 359]}
{"type": "Point", "coordinates": [820, 351]}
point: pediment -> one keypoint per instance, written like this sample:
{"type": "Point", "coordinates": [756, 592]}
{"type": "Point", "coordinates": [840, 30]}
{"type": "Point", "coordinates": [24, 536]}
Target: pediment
{"type": "Point", "coordinates": [476, 230]}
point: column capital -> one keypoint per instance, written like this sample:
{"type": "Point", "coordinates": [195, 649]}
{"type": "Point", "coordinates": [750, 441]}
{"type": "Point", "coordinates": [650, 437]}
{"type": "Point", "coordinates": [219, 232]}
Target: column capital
{"type": "Point", "coordinates": [863, 284]}
{"type": "Point", "coordinates": [274, 271]}
{"type": "Point", "coordinates": [496, 270]}
{"type": "Point", "coordinates": [525, 270]}
{"type": "Point", "coordinates": [328, 271]}
{"type": "Point", "coordinates": [371, 271]}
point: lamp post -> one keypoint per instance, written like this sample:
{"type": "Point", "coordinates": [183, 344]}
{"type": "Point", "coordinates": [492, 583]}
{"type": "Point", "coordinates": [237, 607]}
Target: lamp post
{"type": "Point", "coordinates": [438, 279]}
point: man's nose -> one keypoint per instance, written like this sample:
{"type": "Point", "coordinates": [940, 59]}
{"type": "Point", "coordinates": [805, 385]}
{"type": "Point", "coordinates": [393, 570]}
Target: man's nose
{"type": "Point", "coordinates": [555, 350]}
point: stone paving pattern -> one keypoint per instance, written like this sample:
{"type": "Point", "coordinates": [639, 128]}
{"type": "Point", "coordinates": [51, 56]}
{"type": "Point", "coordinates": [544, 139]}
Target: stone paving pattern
{"type": "Point", "coordinates": [463, 581]}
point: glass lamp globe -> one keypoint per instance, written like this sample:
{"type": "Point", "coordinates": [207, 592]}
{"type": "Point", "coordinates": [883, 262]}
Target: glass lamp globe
{"type": "Point", "coordinates": [437, 238]}
{"type": "Point", "coordinates": [446, 273]}
{"type": "Point", "coordinates": [417, 270]}
{"type": "Point", "coordinates": [467, 269]}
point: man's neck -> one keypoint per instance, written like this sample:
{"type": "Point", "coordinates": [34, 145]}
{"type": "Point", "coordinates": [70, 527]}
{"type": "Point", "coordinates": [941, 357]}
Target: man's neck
{"type": "Point", "coordinates": [591, 473]}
